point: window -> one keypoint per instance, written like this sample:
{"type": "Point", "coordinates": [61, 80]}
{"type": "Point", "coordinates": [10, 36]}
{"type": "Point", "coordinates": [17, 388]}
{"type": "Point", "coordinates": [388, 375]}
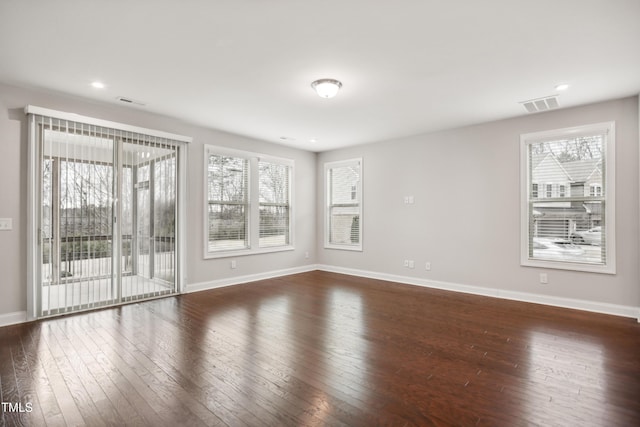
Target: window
{"type": "Point", "coordinates": [573, 227]}
{"type": "Point", "coordinates": [248, 203]}
{"type": "Point", "coordinates": [274, 204]}
{"type": "Point", "coordinates": [228, 207]}
{"type": "Point", "coordinates": [549, 192]}
{"type": "Point", "coordinates": [343, 218]}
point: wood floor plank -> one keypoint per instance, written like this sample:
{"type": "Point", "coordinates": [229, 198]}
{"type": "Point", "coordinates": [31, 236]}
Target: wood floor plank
{"type": "Point", "coordinates": [26, 385]}
{"type": "Point", "coordinates": [324, 349]}
{"type": "Point", "coordinates": [9, 390]}
{"type": "Point", "coordinates": [88, 354]}
{"type": "Point", "coordinates": [31, 340]}
{"type": "Point", "coordinates": [69, 410]}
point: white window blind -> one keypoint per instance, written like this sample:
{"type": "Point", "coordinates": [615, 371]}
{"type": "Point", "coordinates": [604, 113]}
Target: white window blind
{"type": "Point", "coordinates": [570, 225]}
{"type": "Point", "coordinates": [104, 212]}
{"type": "Point", "coordinates": [274, 189]}
{"type": "Point", "coordinates": [248, 203]}
{"type": "Point", "coordinates": [228, 203]}
{"type": "Point", "coordinates": [343, 221]}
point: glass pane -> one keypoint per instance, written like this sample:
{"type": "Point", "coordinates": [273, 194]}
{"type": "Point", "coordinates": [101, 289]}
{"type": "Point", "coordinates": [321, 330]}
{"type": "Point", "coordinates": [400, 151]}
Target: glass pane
{"type": "Point", "coordinates": [344, 209]}
{"type": "Point", "coordinates": [227, 179]}
{"type": "Point", "coordinates": [568, 231]}
{"type": "Point", "coordinates": [126, 221]}
{"type": "Point", "coordinates": [274, 204]}
{"type": "Point", "coordinates": [567, 168]}
{"type": "Point", "coordinates": [86, 192]}
{"type": "Point", "coordinates": [274, 183]}
{"type": "Point", "coordinates": [344, 184]}
{"type": "Point", "coordinates": [274, 226]}
{"type": "Point", "coordinates": [344, 225]}
{"type": "Point", "coordinates": [227, 227]}
{"type": "Point", "coordinates": [164, 218]}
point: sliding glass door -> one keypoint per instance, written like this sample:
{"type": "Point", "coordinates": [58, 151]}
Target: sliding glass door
{"type": "Point", "coordinates": [106, 211]}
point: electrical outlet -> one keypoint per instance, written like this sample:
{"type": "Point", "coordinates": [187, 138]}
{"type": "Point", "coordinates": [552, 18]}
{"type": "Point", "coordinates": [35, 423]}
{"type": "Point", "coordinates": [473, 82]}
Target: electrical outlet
{"type": "Point", "coordinates": [412, 264]}
{"type": "Point", "coordinates": [234, 264]}
{"type": "Point", "coordinates": [543, 278]}
{"type": "Point", "coordinates": [406, 263]}
{"type": "Point", "coordinates": [427, 266]}
{"type": "Point", "coordinates": [306, 255]}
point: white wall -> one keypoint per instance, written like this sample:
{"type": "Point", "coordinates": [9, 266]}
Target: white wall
{"type": "Point", "coordinates": [466, 216]}
{"type": "Point", "coordinates": [465, 219]}
{"type": "Point", "coordinates": [200, 272]}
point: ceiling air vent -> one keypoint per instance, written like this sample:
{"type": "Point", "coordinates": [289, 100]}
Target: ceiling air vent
{"type": "Point", "coordinates": [130, 101]}
{"type": "Point", "coordinates": [541, 104]}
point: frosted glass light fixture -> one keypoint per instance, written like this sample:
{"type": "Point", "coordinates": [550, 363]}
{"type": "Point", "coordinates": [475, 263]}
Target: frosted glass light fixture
{"type": "Point", "coordinates": [326, 88]}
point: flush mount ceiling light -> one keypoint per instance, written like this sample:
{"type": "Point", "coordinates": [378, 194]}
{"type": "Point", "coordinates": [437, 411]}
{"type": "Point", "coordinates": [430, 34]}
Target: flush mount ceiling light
{"type": "Point", "coordinates": [562, 86]}
{"type": "Point", "coordinates": [98, 85]}
{"type": "Point", "coordinates": [326, 88]}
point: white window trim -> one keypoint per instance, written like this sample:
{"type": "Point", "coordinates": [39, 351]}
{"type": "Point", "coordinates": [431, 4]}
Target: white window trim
{"type": "Point", "coordinates": [327, 243]}
{"type": "Point", "coordinates": [609, 190]}
{"type": "Point", "coordinates": [254, 203]}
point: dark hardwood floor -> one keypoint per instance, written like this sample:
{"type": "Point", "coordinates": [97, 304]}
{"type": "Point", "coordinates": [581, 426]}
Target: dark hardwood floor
{"type": "Point", "coordinates": [323, 349]}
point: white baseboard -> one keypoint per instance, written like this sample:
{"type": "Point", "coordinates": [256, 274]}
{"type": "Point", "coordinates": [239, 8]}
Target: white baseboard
{"type": "Point", "coordinates": [220, 283]}
{"type": "Point", "coordinates": [597, 307]}
{"type": "Point", "coordinates": [593, 306]}
{"type": "Point", "coordinates": [13, 318]}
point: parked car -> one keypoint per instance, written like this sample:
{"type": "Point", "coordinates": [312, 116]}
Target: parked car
{"type": "Point", "coordinates": [593, 236]}
{"type": "Point", "coordinates": [556, 249]}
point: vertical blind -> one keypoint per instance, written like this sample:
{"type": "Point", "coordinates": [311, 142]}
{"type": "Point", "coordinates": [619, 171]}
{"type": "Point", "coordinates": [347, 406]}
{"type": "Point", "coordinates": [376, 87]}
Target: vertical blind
{"type": "Point", "coordinates": [106, 214]}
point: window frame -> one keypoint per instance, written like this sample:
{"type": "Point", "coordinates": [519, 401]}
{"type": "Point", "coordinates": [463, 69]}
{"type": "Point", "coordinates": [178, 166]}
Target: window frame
{"type": "Point", "coordinates": [253, 202]}
{"type": "Point", "coordinates": [327, 205]}
{"type": "Point", "coordinates": [609, 198]}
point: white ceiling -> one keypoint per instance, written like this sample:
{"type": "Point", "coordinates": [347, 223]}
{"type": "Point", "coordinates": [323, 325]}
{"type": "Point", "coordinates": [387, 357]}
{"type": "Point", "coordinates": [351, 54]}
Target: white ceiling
{"type": "Point", "coordinates": [245, 66]}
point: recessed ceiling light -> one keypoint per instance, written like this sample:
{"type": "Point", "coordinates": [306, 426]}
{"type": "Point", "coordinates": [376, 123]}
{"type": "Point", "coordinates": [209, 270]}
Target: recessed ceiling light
{"type": "Point", "coordinates": [313, 140]}
{"type": "Point", "coordinates": [98, 85]}
{"type": "Point", "coordinates": [562, 86]}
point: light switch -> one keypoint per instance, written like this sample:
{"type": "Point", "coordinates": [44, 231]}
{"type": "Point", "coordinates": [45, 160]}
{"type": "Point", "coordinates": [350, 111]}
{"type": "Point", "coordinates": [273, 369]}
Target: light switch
{"type": "Point", "coordinates": [6, 224]}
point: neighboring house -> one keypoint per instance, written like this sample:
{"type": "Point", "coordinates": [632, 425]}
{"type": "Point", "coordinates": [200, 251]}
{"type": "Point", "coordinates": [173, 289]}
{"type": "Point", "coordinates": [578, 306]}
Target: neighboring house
{"type": "Point", "coordinates": [554, 180]}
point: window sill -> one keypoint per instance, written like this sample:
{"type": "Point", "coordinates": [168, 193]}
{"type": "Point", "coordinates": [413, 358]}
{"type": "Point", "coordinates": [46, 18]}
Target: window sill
{"type": "Point", "coordinates": [354, 248]}
{"type": "Point", "coordinates": [570, 266]}
{"type": "Point", "coordinates": [245, 252]}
